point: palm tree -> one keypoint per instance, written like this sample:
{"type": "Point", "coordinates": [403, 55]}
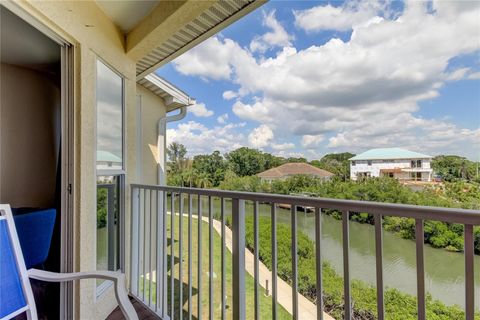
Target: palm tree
{"type": "Point", "coordinates": [203, 181]}
{"type": "Point", "coordinates": [189, 176]}
{"type": "Point", "coordinates": [176, 154]}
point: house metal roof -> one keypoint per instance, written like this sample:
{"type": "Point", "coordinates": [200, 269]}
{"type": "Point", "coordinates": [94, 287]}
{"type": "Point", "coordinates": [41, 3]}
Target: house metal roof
{"type": "Point", "coordinates": [106, 156]}
{"type": "Point", "coordinates": [295, 168]}
{"type": "Point", "coordinates": [389, 153]}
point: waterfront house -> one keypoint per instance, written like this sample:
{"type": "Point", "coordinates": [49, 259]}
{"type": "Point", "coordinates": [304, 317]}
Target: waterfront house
{"type": "Point", "coordinates": [401, 164]}
{"type": "Point", "coordinates": [292, 169]}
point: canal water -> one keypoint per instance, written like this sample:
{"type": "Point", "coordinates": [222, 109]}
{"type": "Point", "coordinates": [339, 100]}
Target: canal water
{"type": "Point", "coordinates": [444, 270]}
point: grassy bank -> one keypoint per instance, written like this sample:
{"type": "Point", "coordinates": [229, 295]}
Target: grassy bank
{"type": "Point", "coordinates": [264, 301]}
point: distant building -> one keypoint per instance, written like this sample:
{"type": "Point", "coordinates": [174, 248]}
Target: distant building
{"type": "Point", "coordinates": [291, 169]}
{"type": "Point", "coordinates": [396, 163]}
{"type": "Point", "coordinates": [107, 160]}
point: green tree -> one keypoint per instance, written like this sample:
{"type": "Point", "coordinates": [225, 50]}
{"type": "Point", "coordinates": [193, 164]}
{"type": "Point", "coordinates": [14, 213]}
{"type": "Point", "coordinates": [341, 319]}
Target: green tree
{"type": "Point", "coordinates": [102, 207]}
{"type": "Point", "coordinates": [452, 168]}
{"type": "Point", "coordinates": [189, 177]}
{"type": "Point", "coordinates": [272, 161]}
{"type": "Point", "coordinates": [294, 159]}
{"type": "Point", "coordinates": [213, 165]}
{"type": "Point", "coordinates": [336, 163]}
{"type": "Point", "coordinates": [203, 180]}
{"type": "Point", "coordinates": [176, 157]}
{"type": "Point", "coordinates": [246, 162]}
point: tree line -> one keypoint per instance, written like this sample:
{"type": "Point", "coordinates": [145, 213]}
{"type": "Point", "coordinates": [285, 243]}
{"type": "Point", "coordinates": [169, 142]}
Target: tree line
{"type": "Point", "coordinates": [210, 170]}
{"type": "Point", "coordinates": [237, 171]}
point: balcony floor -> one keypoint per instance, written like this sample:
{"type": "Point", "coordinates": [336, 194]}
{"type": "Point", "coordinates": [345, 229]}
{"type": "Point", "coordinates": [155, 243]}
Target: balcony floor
{"type": "Point", "coordinates": [143, 312]}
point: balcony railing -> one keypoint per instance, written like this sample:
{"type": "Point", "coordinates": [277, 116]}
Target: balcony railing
{"type": "Point", "coordinates": [152, 220]}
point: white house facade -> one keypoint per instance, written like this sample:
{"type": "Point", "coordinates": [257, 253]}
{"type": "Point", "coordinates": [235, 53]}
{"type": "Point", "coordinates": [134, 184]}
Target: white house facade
{"type": "Point", "coordinates": [396, 163]}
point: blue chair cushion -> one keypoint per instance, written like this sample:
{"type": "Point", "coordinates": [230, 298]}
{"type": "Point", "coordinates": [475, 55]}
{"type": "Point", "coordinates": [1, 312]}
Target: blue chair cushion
{"type": "Point", "coordinates": [35, 230]}
{"type": "Point", "coordinates": [12, 297]}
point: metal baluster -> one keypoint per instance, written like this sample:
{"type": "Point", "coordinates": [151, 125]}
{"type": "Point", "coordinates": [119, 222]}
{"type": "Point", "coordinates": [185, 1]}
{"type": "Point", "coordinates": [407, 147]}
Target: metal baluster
{"type": "Point", "coordinates": [200, 266]}
{"type": "Point", "coordinates": [190, 256]}
{"type": "Point", "coordinates": [159, 264]}
{"type": "Point", "coordinates": [274, 260]}
{"type": "Point", "coordinates": [224, 292]}
{"type": "Point", "coordinates": [210, 257]}
{"type": "Point", "coordinates": [172, 256]}
{"type": "Point", "coordinates": [318, 256]}
{"type": "Point", "coordinates": [135, 239]}
{"type": "Point", "coordinates": [144, 243]}
{"type": "Point", "coordinates": [379, 266]}
{"type": "Point", "coordinates": [150, 249]}
{"type": "Point", "coordinates": [180, 255]}
{"type": "Point", "coordinates": [255, 260]}
{"type": "Point", "coordinates": [238, 232]}
{"type": "Point", "coordinates": [165, 263]}
{"type": "Point", "coordinates": [469, 272]}
{"type": "Point", "coordinates": [346, 266]}
{"type": "Point", "coordinates": [294, 262]}
{"type": "Point", "coordinates": [419, 239]}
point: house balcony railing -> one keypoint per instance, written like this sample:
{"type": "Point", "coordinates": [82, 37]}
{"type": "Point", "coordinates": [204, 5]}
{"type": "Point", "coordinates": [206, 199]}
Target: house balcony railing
{"type": "Point", "coordinates": [157, 240]}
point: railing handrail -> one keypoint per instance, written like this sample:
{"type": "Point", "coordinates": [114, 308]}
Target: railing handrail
{"type": "Point", "coordinates": [452, 215]}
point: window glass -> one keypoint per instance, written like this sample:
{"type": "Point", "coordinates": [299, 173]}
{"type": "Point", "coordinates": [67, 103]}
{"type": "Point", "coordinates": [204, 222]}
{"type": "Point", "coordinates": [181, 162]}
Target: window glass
{"type": "Point", "coordinates": [110, 167]}
{"type": "Point", "coordinates": [109, 118]}
{"type": "Point", "coordinates": [108, 227]}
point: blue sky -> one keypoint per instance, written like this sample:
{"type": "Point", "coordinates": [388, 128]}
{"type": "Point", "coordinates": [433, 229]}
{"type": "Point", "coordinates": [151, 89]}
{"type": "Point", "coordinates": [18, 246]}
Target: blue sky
{"type": "Point", "coordinates": [306, 78]}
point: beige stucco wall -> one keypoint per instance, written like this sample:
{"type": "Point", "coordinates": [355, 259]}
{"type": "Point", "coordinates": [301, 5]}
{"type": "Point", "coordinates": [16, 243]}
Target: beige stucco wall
{"type": "Point", "coordinates": [29, 124]}
{"type": "Point", "coordinates": [152, 108]}
{"type": "Point", "coordinates": [93, 35]}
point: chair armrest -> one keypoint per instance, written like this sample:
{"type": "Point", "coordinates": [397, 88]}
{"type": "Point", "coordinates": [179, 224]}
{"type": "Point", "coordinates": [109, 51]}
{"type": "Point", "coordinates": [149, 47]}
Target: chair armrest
{"type": "Point", "coordinates": [117, 278]}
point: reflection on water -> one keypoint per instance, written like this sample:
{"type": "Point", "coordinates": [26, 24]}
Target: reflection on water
{"type": "Point", "coordinates": [444, 271]}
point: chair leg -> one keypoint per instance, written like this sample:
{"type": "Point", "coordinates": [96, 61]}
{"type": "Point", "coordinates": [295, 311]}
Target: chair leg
{"type": "Point", "coordinates": [123, 300]}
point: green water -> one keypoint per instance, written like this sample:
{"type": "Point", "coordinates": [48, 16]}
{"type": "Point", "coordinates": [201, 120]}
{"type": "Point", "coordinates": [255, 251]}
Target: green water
{"type": "Point", "coordinates": [444, 271]}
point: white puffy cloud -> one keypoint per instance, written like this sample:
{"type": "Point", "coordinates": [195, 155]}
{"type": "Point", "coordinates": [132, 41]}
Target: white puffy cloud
{"type": "Point", "coordinates": [222, 118]}
{"type": "Point", "coordinates": [277, 37]}
{"type": "Point", "coordinates": [229, 95]}
{"type": "Point", "coordinates": [199, 139]}
{"type": "Point", "coordinates": [312, 141]}
{"type": "Point", "coordinates": [341, 18]}
{"type": "Point", "coordinates": [474, 76]}
{"type": "Point", "coordinates": [457, 74]}
{"type": "Point", "coordinates": [283, 146]}
{"type": "Point", "coordinates": [200, 110]}
{"type": "Point", "coordinates": [207, 60]}
{"type": "Point", "coordinates": [288, 154]}
{"type": "Point", "coordinates": [361, 92]}
{"type": "Point", "coordinates": [427, 135]}
{"type": "Point", "coordinates": [261, 136]}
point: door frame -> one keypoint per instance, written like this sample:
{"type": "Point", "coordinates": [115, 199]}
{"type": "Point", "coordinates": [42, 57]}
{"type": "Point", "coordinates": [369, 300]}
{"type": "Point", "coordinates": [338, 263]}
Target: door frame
{"type": "Point", "coordinates": [67, 256]}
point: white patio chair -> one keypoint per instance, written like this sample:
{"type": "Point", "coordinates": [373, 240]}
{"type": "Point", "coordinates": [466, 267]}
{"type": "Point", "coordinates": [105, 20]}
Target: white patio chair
{"type": "Point", "coordinates": [16, 294]}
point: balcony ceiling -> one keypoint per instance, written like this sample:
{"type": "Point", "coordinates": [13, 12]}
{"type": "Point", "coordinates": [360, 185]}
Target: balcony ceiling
{"type": "Point", "coordinates": [127, 14]}
{"type": "Point", "coordinates": [156, 32]}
